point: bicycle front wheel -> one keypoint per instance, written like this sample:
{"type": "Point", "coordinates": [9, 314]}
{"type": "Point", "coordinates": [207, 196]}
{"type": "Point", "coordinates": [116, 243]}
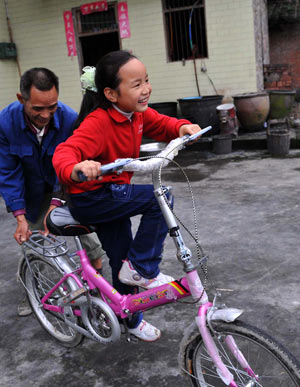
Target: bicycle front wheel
{"type": "Point", "coordinates": [271, 363]}
{"type": "Point", "coordinates": [39, 281]}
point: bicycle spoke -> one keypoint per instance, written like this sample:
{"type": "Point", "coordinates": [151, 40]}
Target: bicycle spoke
{"type": "Point", "coordinates": [267, 359]}
{"type": "Point", "coordinates": [42, 277]}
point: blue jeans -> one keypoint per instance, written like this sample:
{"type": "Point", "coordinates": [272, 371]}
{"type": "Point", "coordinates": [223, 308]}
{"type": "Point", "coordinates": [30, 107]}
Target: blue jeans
{"type": "Point", "coordinates": [111, 208]}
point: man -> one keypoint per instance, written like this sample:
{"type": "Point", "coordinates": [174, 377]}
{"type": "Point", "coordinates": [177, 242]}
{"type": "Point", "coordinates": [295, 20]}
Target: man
{"type": "Point", "coordinates": [30, 130]}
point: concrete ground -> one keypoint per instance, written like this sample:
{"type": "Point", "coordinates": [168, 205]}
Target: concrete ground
{"type": "Point", "coordinates": [247, 205]}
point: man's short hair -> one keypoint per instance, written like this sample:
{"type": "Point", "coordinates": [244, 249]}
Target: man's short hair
{"type": "Point", "coordinates": [39, 77]}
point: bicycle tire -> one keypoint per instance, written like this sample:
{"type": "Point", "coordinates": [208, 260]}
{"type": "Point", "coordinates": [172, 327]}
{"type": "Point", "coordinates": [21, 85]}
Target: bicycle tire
{"type": "Point", "coordinates": [273, 364]}
{"type": "Point", "coordinates": [45, 276]}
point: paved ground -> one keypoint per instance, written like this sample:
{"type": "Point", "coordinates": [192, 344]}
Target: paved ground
{"type": "Point", "coordinates": [249, 224]}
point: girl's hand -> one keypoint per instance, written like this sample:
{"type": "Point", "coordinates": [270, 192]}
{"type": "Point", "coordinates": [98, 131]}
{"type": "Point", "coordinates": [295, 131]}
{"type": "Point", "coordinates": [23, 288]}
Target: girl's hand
{"type": "Point", "coordinates": [90, 168]}
{"type": "Point", "coordinates": [188, 129]}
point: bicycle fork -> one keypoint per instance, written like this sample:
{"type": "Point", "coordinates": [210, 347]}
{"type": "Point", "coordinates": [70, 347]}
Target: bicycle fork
{"type": "Point", "coordinates": [227, 315]}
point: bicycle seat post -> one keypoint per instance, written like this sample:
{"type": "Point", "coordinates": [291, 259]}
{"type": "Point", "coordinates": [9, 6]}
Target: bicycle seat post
{"type": "Point", "coordinates": [78, 243]}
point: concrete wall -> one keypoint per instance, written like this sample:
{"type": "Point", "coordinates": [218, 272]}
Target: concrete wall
{"type": "Point", "coordinates": [9, 78]}
{"type": "Point", "coordinates": [38, 31]}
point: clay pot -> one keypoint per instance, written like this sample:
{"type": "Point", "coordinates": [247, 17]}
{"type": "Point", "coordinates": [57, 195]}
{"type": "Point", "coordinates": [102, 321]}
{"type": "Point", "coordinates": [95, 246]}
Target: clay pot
{"type": "Point", "coordinates": [281, 102]}
{"type": "Point", "coordinates": [252, 110]}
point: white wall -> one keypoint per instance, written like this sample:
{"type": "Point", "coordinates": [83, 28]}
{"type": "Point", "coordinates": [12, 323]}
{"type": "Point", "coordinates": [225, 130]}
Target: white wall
{"type": "Point", "coordinates": [38, 31]}
{"type": "Point", "coordinates": [231, 64]}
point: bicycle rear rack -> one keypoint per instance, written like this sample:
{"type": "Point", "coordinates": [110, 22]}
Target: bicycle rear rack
{"type": "Point", "coordinates": [47, 246]}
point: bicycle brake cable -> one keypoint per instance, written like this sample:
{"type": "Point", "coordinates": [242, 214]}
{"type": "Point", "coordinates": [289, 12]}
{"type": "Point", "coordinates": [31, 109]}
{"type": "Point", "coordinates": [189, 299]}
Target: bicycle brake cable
{"type": "Point", "coordinates": [199, 251]}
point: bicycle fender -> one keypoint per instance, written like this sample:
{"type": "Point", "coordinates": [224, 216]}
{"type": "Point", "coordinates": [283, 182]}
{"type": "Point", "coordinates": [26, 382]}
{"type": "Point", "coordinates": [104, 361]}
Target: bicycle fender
{"type": "Point", "coordinates": [227, 314]}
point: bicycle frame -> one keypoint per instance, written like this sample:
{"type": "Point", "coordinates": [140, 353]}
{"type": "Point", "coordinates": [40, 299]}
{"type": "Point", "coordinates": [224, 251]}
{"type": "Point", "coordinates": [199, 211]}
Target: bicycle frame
{"type": "Point", "coordinates": [125, 305]}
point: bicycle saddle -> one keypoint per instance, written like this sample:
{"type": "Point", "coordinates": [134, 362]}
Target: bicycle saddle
{"type": "Point", "coordinates": [61, 222]}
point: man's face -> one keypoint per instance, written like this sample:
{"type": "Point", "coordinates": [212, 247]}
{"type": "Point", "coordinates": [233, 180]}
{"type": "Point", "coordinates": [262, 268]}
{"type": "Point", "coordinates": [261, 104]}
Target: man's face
{"type": "Point", "coordinates": [41, 106]}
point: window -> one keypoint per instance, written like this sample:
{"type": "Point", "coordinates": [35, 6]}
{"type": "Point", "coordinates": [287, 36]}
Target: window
{"type": "Point", "coordinates": [185, 29]}
{"type": "Point", "coordinates": [98, 22]}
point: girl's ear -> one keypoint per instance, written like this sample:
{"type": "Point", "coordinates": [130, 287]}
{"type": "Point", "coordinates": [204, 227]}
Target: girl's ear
{"type": "Point", "coordinates": [110, 94]}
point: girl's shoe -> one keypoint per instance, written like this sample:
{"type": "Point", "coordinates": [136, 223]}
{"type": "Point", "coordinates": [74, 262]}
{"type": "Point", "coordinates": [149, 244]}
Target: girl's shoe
{"type": "Point", "coordinates": [145, 332]}
{"type": "Point", "coordinates": [129, 276]}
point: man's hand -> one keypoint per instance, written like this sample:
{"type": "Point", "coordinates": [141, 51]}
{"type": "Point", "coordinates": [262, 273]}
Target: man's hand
{"type": "Point", "coordinates": [22, 233]}
{"type": "Point", "coordinates": [90, 168]}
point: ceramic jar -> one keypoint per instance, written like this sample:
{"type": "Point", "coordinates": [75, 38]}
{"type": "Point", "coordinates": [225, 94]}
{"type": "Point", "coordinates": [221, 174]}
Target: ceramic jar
{"type": "Point", "coordinates": [252, 110]}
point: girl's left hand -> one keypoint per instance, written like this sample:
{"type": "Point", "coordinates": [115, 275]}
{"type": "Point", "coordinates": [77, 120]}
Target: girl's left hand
{"type": "Point", "coordinates": [188, 129]}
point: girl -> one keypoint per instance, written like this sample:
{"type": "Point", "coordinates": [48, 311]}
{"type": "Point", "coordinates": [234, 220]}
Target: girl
{"type": "Point", "coordinates": [114, 115]}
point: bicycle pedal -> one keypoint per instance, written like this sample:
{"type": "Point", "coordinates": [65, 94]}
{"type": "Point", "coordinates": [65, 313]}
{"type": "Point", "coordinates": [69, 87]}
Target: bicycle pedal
{"type": "Point", "coordinates": [131, 339]}
{"type": "Point", "coordinates": [134, 339]}
{"type": "Point", "coordinates": [67, 299]}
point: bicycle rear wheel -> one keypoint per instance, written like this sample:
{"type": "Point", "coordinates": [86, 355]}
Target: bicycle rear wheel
{"type": "Point", "coordinates": [272, 364]}
{"type": "Point", "coordinates": [38, 283]}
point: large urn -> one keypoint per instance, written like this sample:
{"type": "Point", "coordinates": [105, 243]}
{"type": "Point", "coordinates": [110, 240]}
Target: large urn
{"type": "Point", "coordinates": [252, 110]}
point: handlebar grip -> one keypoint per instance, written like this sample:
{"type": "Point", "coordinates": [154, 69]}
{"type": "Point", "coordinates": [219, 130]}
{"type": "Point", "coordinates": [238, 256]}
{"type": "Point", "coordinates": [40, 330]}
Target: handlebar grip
{"type": "Point", "coordinates": [81, 176]}
{"type": "Point", "coordinates": [202, 131]}
{"type": "Point", "coordinates": [107, 169]}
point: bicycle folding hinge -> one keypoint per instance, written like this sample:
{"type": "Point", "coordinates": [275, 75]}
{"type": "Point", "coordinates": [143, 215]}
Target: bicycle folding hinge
{"type": "Point", "coordinates": [69, 298]}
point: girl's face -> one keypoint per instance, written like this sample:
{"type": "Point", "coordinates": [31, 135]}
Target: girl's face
{"type": "Point", "coordinates": [134, 89]}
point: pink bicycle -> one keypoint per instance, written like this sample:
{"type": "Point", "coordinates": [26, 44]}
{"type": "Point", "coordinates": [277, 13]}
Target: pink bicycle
{"type": "Point", "coordinates": [72, 300]}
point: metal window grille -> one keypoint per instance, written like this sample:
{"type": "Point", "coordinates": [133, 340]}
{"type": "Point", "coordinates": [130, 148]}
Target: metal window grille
{"type": "Point", "coordinates": [98, 22]}
{"type": "Point", "coordinates": [185, 29]}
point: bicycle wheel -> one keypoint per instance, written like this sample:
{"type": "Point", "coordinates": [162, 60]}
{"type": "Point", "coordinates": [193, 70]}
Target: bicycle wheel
{"type": "Point", "coordinates": [45, 276]}
{"type": "Point", "coordinates": [272, 364]}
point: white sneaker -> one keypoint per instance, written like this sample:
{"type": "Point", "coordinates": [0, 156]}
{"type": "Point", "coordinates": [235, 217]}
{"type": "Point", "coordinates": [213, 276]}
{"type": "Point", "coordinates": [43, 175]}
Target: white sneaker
{"type": "Point", "coordinates": [129, 276]}
{"type": "Point", "coordinates": [145, 332]}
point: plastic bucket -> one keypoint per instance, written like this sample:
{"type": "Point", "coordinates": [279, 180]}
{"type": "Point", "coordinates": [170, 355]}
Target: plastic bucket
{"type": "Point", "coordinates": [167, 108]}
{"type": "Point", "coordinates": [202, 111]}
{"type": "Point", "coordinates": [278, 142]}
{"type": "Point", "coordinates": [222, 144]}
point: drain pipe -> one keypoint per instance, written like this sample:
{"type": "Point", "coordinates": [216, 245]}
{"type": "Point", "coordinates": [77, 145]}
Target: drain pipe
{"type": "Point", "coordinates": [11, 35]}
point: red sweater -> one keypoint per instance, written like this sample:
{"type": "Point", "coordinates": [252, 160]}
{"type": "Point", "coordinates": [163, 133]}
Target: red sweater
{"type": "Point", "coordinates": [105, 136]}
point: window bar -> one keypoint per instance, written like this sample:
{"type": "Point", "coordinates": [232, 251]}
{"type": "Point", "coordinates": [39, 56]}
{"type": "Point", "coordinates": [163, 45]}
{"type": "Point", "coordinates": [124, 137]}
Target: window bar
{"type": "Point", "coordinates": [171, 38]}
{"type": "Point", "coordinates": [202, 50]}
{"type": "Point", "coordinates": [179, 37]}
{"type": "Point", "coordinates": [186, 35]}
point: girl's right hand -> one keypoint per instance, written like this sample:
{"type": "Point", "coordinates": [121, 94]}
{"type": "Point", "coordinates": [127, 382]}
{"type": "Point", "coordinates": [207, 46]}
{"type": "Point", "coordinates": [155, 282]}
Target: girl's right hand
{"type": "Point", "coordinates": [90, 168]}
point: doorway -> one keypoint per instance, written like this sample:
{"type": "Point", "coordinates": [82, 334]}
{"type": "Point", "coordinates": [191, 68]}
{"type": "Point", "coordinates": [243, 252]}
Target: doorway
{"type": "Point", "coordinates": [95, 46]}
{"type": "Point", "coordinates": [97, 34]}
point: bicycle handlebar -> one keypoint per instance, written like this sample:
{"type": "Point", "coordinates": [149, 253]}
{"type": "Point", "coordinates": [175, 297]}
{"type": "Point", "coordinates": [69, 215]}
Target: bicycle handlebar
{"type": "Point", "coordinates": [161, 159]}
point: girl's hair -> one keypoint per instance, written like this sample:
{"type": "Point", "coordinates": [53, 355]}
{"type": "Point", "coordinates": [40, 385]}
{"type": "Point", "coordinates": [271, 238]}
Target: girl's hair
{"type": "Point", "coordinates": [107, 71]}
